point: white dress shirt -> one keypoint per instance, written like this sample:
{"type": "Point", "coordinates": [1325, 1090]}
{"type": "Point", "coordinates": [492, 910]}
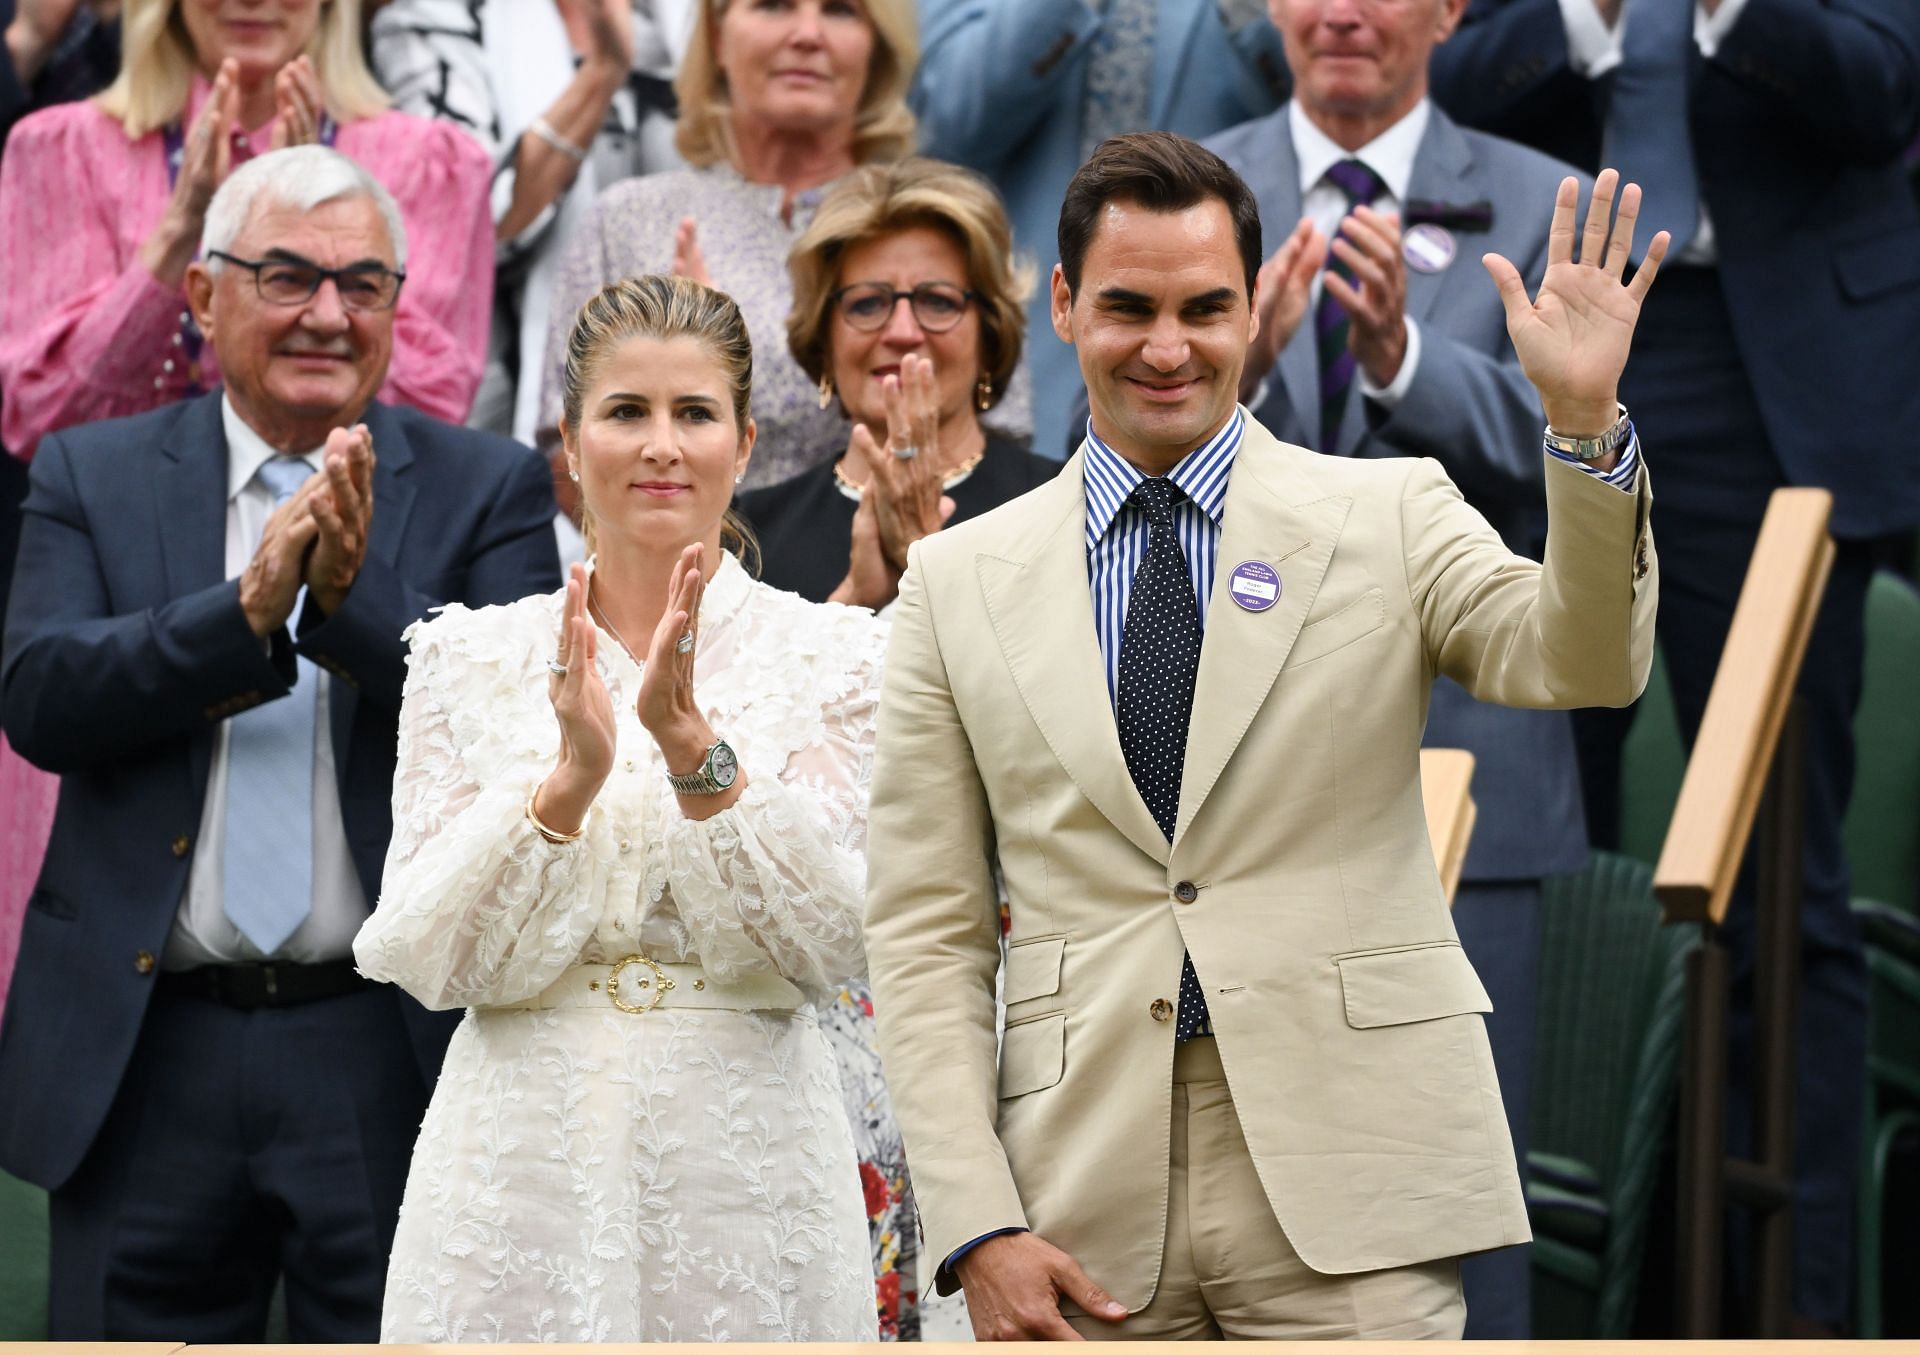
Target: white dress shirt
{"type": "Point", "coordinates": [1593, 49]}
{"type": "Point", "coordinates": [202, 932]}
{"type": "Point", "coordinates": [1389, 155]}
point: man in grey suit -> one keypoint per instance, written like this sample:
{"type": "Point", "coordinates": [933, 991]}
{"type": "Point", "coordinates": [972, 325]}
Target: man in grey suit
{"type": "Point", "coordinates": [1378, 337]}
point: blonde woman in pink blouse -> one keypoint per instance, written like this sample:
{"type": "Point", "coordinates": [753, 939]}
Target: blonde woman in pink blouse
{"type": "Point", "coordinates": [101, 205]}
{"type": "Point", "coordinates": [100, 214]}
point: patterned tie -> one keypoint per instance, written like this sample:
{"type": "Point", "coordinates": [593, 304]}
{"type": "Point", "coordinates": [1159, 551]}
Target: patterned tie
{"type": "Point", "coordinates": [268, 879]}
{"type": "Point", "coordinates": [1361, 186]}
{"type": "Point", "coordinates": [1648, 138]}
{"type": "Point", "coordinates": [1119, 72]}
{"type": "Point", "coordinates": [1159, 659]}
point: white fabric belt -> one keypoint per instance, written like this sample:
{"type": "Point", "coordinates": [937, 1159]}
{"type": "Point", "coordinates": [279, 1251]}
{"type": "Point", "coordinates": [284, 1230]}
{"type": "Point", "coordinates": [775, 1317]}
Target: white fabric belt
{"type": "Point", "coordinates": [637, 984]}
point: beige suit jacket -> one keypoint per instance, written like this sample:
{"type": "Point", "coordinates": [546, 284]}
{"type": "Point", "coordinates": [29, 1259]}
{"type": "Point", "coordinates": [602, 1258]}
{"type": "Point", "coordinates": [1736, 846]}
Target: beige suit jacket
{"type": "Point", "coordinates": [1347, 1016]}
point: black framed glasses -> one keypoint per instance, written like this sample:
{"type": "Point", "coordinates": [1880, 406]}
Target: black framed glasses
{"type": "Point", "coordinates": [293, 282]}
{"type": "Point", "coordinates": [937, 306]}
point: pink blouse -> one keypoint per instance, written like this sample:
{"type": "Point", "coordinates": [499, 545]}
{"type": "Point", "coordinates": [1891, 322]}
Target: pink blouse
{"type": "Point", "coordinates": [86, 333]}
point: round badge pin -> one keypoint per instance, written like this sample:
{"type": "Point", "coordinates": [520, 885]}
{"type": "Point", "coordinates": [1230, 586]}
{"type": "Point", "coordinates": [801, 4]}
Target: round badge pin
{"type": "Point", "coordinates": [1428, 248]}
{"type": "Point", "coordinates": [1255, 586]}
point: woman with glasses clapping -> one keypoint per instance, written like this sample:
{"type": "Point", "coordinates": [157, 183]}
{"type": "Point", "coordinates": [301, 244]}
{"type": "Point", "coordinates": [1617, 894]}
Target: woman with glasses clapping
{"type": "Point", "coordinates": [909, 310]}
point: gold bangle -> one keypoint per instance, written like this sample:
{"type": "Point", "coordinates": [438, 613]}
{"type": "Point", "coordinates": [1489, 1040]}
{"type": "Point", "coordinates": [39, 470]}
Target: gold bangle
{"type": "Point", "coordinates": [558, 839]}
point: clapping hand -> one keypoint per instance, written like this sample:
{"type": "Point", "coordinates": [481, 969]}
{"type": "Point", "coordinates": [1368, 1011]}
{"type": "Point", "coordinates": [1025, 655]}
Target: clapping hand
{"type": "Point", "coordinates": [205, 161]}
{"type": "Point", "coordinates": [270, 584]}
{"type": "Point", "coordinates": [904, 477]}
{"type": "Point", "coordinates": [298, 104]}
{"type": "Point", "coordinates": [688, 261]}
{"type": "Point", "coordinates": [1376, 300]}
{"type": "Point", "coordinates": [585, 713]}
{"type": "Point", "coordinates": [342, 508]}
{"type": "Point", "coordinates": [1573, 338]}
{"type": "Point", "coordinates": [1280, 292]}
{"type": "Point", "coordinates": [609, 25]}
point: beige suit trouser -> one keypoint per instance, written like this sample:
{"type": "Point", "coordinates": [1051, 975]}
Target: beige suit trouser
{"type": "Point", "coordinates": [1228, 1270]}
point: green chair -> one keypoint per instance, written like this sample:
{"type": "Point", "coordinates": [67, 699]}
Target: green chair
{"type": "Point", "coordinates": [1883, 847]}
{"type": "Point", "coordinates": [1608, 1027]}
{"type": "Point", "coordinates": [23, 1261]}
{"type": "Point", "coordinates": [1652, 762]}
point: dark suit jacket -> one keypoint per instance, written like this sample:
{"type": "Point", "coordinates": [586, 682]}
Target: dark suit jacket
{"type": "Point", "coordinates": [126, 646]}
{"type": "Point", "coordinates": [1798, 123]}
{"type": "Point", "coordinates": [1471, 408]}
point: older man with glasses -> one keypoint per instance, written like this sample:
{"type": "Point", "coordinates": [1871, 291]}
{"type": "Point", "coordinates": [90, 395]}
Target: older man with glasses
{"type": "Point", "coordinates": [205, 644]}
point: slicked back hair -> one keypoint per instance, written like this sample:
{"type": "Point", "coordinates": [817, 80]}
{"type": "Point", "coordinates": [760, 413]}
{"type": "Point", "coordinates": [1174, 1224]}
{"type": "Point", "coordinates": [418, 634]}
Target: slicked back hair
{"type": "Point", "coordinates": [1162, 173]}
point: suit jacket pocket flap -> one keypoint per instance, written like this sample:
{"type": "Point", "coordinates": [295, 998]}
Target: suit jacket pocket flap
{"type": "Point", "coordinates": [1033, 968]}
{"type": "Point", "coordinates": [1409, 983]}
{"type": "Point", "coordinates": [1337, 630]}
{"type": "Point", "coordinates": [1033, 1055]}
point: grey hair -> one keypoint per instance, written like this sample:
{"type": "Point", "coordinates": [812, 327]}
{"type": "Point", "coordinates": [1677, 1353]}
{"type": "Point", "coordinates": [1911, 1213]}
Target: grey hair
{"type": "Point", "coordinates": [301, 177]}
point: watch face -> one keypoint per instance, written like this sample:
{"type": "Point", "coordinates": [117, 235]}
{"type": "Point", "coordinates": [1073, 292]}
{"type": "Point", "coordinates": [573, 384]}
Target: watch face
{"type": "Point", "coordinates": [723, 766]}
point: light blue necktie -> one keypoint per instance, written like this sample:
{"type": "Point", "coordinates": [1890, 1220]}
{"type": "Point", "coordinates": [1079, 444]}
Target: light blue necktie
{"type": "Point", "coordinates": [268, 881]}
{"type": "Point", "coordinates": [1119, 72]}
{"type": "Point", "coordinates": [1648, 137]}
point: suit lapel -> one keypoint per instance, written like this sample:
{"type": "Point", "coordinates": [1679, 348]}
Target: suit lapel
{"type": "Point", "coordinates": [1443, 171]}
{"type": "Point", "coordinates": [1175, 26]}
{"type": "Point", "coordinates": [1274, 513]}
{"type": "Point", "coordinates": [392, 505]}
{"type": "Point", "coordinates": [190, 524]}
{"type": "Point", "coordinates": [1299, 365]}
{"type": "Point", "coordinates": [1041, 607]}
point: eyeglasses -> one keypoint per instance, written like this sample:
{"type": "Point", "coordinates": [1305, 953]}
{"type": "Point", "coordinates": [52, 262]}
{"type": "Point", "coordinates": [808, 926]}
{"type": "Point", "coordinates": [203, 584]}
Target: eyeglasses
{"type": "Point", "coordinates": [294, 282]}
{"type": "Point", "coordinates": [937, 306]}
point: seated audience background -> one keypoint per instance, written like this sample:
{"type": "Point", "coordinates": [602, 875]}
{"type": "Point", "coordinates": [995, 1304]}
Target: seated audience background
{"type": "Point", "coordinates": [567, 97]}
{"type": "Point", "coordinates": [776, 104]}
{"type": "Point", "coordinates": [56, 50]}
{"type": "Point", "coordinates": [909, 306]}
{"type": "Point", "coordinates": [190, 1063]}
{"type": "Point", "coordinates": [571, 833]}
{"type": "Point", "coordinates": [102, 205]}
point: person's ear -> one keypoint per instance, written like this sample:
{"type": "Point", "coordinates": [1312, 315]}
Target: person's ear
{"type": "Point", "coordinates": [1062, 305]}
{"type": "Point", "coordinates": [200, 282]}
{"type": "Point", "coordinates": [745, 454]}
{"type": "Point", "coordinates": [570, 448]}
{"type": "Point", "coordinates": [1448, 19]}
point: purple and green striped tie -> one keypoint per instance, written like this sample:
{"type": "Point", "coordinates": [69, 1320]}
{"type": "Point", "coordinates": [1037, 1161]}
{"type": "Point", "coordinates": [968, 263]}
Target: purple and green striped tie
{"type": "Point", "coordinates": [1361, 186]}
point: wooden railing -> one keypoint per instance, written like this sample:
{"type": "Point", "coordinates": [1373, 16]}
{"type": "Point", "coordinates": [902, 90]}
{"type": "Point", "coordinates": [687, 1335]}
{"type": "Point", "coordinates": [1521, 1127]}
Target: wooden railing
{"type": "Point", "coordinates": [1747, 769]}
{"type": "Point", "coordinates": [1446, 784]}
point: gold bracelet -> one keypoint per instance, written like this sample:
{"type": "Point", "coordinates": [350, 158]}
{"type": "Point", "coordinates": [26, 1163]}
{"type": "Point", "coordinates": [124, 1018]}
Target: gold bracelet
{"type": "Point", "coordinates": [558, 839]}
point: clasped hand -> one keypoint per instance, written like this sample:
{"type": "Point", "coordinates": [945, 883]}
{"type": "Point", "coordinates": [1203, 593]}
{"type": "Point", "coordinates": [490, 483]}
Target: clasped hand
{"type": "Point", "coordinates": [316, 539]}
{"type": "Point", "coordinates": [903, 498]}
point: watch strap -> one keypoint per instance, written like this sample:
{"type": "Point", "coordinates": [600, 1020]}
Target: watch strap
{"type": "Point", "coordinates": [1593, 448]}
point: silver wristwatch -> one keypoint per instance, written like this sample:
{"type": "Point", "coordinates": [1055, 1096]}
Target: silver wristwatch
{"type": "Point", "coordinates": [717, 771]}
{"type": "Point", "coordinates": [1592, 449]}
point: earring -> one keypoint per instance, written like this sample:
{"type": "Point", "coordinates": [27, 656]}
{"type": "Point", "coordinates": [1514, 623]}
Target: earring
{"type": "Point", "coordinates": [983, 392]}
{"type": "Point", "coordinates": [574, 476]}
{"type": "Point", "coordinates": [826, 389]}
{"type": "Point", "coordinates": [740, 477]}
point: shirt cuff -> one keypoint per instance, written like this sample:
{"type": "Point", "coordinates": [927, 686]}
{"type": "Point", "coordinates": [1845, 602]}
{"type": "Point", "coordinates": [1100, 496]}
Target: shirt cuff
{"type": "Point", "coordinates": [1709, 31]}
{"type": "Point", "coordinates": [962, 1250]}
{"type": "Point", "coordinates": [1394, 391]}
{"type": "Point", "coordinates": [1593, 49]}
{"type": "Point", "coordinates": [1625, 476]}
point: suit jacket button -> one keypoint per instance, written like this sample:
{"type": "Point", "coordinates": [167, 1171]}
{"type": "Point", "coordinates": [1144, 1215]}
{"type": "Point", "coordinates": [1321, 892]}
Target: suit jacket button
{"type": "Point", "coordinates": [1161, 1010]}
{"type": "Point", "coordinates": [1185, 891]}
{"type": "Point", "coordinates": [180, 845]}
{"type": "Point", "coordinates": [143, 962]}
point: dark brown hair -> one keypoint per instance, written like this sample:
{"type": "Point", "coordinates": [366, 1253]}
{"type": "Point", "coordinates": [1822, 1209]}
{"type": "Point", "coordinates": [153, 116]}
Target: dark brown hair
{"type": "Point", "coordinates": [1162, 173]}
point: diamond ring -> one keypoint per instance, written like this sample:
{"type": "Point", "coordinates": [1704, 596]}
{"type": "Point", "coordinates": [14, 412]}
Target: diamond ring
{"type": "Point", "coordinates": [906, 453]}
{"type": "Point", "coordinates": [684, 645]}
{"type": "Point", "coordinates": [557, 668]}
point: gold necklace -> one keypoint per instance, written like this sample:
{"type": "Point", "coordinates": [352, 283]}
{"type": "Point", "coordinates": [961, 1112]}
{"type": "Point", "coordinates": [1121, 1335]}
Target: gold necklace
{"type": "Point", "coordinates": [952, 477]}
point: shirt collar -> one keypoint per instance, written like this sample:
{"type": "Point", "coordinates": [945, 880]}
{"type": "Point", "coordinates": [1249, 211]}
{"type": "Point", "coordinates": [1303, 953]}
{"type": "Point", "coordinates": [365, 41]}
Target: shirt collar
{"type": "Point", "coordinates": [1201, 474]}
{"type": "Point", "coordinates": [247, 451]}
{"type": "Point", "coordinates": [1390, 155]}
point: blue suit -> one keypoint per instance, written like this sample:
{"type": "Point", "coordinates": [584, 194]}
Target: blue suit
{"type": "Point", "coordinates": [1790, 360]}
{"type": "Point", "coordinates": [1000, 88]}
{"type": "Point", "coordinates": [1470, 407]}
{"type": "Point", "coordinates": [125, 648]}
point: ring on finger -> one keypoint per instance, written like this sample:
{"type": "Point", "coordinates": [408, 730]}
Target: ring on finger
{"type": "Point", "coordinates": [557, 668]}
{"type": "Point", "coordinates": [906, 453]}
{"type": "Point", "coordinates": [684, 645]}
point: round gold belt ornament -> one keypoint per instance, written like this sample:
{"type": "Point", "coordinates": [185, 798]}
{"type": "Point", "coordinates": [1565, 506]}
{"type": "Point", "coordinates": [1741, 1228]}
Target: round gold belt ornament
{"type": "Point", "coordinates": [660, 983]}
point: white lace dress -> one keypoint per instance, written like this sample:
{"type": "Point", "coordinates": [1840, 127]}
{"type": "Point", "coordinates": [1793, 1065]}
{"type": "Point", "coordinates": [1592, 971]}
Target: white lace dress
{"type": "Point", "coordinates": [587, 1175]}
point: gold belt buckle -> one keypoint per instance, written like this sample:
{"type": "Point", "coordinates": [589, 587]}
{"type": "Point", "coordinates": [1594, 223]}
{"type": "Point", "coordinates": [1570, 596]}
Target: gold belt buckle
{"type": "Point", "coordinates": [660, 983]}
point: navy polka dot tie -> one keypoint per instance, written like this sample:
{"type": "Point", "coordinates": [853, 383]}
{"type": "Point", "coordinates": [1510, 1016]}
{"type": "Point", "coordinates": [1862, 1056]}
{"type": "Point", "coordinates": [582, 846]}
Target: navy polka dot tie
{"type": "Point", "coordinates": [1159, 659]}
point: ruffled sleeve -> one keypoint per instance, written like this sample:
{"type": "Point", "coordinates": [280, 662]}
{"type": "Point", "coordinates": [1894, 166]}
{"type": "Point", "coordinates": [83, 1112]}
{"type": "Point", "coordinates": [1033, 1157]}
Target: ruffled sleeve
{"type": "Point", "coordinates": [777, 882]}
{"type": "Point", "coordinates": [82, 330]}
{"type": "Point", "coordinates": [477, 908]}
{"type": "Point", "coordinates": [439, 176]}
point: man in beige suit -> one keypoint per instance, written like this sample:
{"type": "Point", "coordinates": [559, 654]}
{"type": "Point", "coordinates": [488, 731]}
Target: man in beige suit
{"type": "Point", "coordinates": [1244, 1088]}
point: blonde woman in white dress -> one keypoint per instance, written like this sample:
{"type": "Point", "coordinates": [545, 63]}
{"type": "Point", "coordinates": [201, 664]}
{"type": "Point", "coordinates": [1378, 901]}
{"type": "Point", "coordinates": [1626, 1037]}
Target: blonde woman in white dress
{"type": "Point", "coordinates": [638, 1133]}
